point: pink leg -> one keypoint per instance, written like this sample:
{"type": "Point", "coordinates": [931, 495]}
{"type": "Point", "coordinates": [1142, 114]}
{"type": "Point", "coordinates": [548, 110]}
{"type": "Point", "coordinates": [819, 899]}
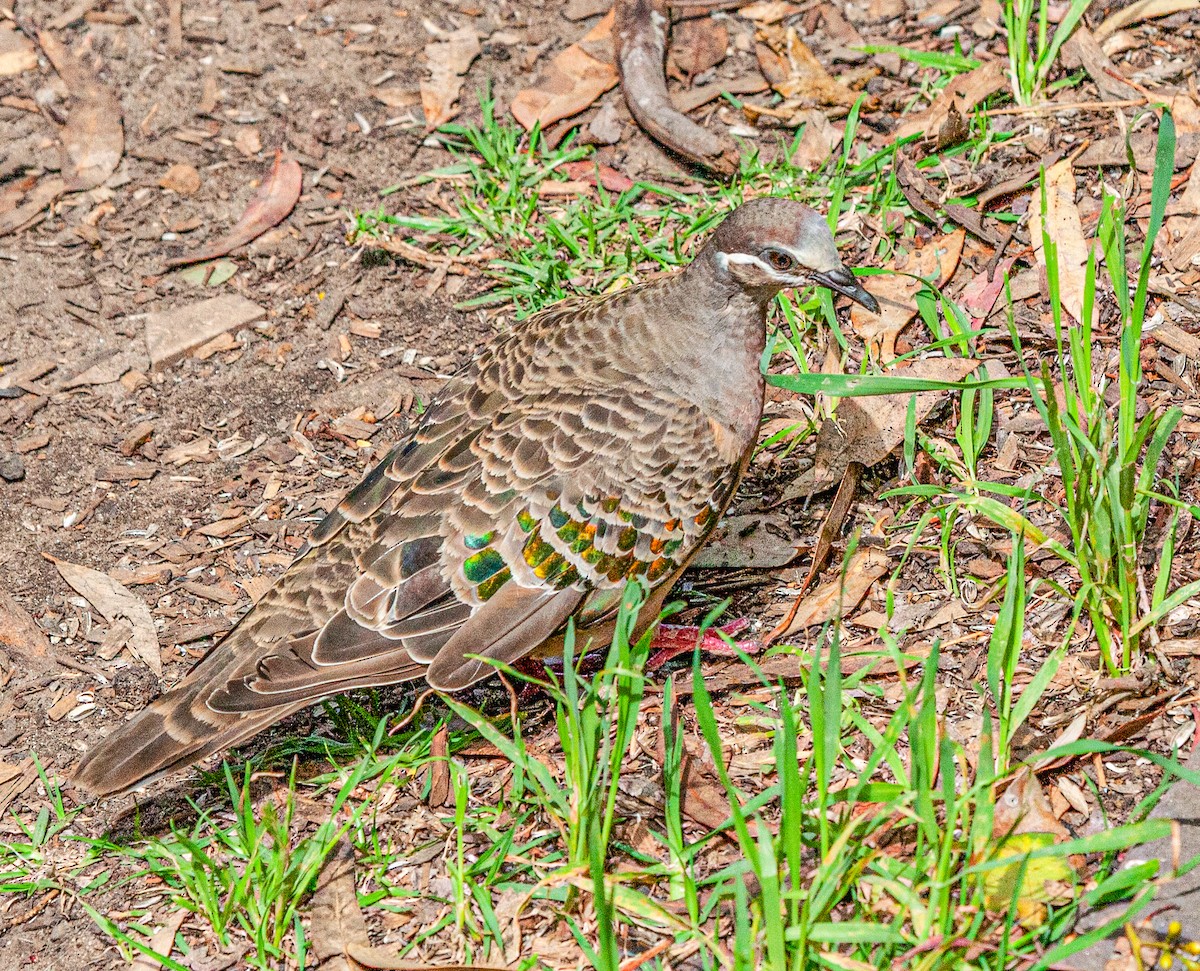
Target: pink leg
{"type": "Point", "coordinates": [671, 640]}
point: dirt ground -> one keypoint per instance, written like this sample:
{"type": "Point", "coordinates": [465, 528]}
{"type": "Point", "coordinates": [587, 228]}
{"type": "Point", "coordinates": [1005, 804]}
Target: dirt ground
{"type": "Point", "coordinates": [293, 75]}
{"type": "Point", "coordinates": [195, 483]}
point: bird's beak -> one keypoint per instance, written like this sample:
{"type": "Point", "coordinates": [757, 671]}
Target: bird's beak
{"type": "Point", "coordinates": [842, 281]}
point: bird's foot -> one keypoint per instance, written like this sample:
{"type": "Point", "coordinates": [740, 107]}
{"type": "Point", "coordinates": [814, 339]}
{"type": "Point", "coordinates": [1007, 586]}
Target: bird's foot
{"type": "Point", "coordinates": [672, 640]}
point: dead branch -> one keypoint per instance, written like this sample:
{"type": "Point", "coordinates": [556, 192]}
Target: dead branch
{"type": "Point", "coordinates": [641, 48]}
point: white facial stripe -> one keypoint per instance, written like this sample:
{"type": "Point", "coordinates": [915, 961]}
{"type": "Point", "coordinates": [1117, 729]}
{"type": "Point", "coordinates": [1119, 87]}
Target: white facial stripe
{"type": "Point", "coordinates": [744, 259]}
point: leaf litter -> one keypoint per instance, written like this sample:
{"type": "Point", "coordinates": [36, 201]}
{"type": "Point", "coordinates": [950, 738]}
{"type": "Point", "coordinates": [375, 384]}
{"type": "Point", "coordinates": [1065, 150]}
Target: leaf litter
{"type": "Point", "coordinates": [190, 458]}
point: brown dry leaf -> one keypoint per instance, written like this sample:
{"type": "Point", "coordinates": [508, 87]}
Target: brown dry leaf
{"type": "Point", "coordinates": [1183, 230]}
{"type": "Point", "coordinates": [18, 781]}
{"type": "Point", "coordinates": [182, 179]}
{"type": "Point", "coordinates": [572, 81]}
{"type": "Point", "coordinates": [959, 97]}
{"type": "Point", "coordinates": [703, 797]}
{"type": "Point", "coordinates": [113, 601]}
{"type": "Point", "coordinates": [769, 11]}
{"type": "Point", "coordinates": [440, 792]}
{"type": "Point", "coordinates": [270, 206]}
{"type": "Point", "coordinates": [696, 45]}
{"type": "Point", "coordinates": [163, 942]}
{"type": "Point", "coordinates": [639, 43]}
{"type": "Point", "coordinates": [1073, 795]}
{"type": "Point", "coordinates": [23, 202]}
{"type": "Point", "coordinates": [1186, 112]}
{"type": "Point", "coordinates": [1083, 50]}
{"type": "Point", "coordinates": [109, 369]}
{"type": "Point", "coordinates": [792, 664]}
{"type": "Point", "coordinates": [93, 138]}
{"type": "Point", "coordinates": [754, 541]}
{"type": "Point", "coordinates": [20, 635]}
{"type": "Point", "coordinates": [16, 52]}
{"type": "Point", "coordinates": [336, 922]}
{"type": "Point", "coordinates": [1064, 227]}
{"type": "Point", "coordinates": [840, 594]}
{"type": "Point", "coordinates": [1142, 145]}
{"type": "Point", "coordinates": [868, 430]}
{"type": "Point", "coordinates": [449, 60]}
{"type": "Point", "coordinates": [93, 142]}
{"type": "Point", "coordinates": [980, 294]}
{"type": "Point", "coordinates": [1142, 10]}
{"type": "Point", "coordinates": [817, 142]}
{"type": "Point", "coordinates": [807, 83]}
{"type": "Point", "coordinates": [897, 293]}
{"type": "Point", "coordinates": [1023, 808]}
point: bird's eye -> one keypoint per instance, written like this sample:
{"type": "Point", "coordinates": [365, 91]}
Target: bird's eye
{"type": "Point", "coordinates": [779, 260]}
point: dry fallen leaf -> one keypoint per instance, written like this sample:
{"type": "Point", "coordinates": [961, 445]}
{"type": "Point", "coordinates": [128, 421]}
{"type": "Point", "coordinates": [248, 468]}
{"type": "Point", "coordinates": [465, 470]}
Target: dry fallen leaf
{"type": "Point", "coordinates": [1183, 230]}
{"type": "Point", "coordinates": [110, 368]}
{"type": "Point", "coordinates": [572, 81]}
{"type": "Point", "coordinates": [593, 173]}
{"type": "Point", "coordinates": [16, 52]}
{"type": "Point", "coordinates": [804, 81]}
{"type": "Point", "coordinates": [1060, 219]}
{"type": "Point", "coordinates": [696, 45]}
{"type": "Point", "coordinates": [336, 921]}
{"type": "Point", "coordinates": [385, 959]}
{"type": "Point", "coordinates": [22, 642]}
{"type": "Point", "coordinates": [93, 141]}
{"type": "Point", "coordinates": [1082, 50]}
{"type": "Point", "coordinates": [958, 97]}
{"type": "Point", "coordinates": [818, 140]}
{"type": "Point", "coordinates": [1073, 795]}
{"type": "Point", "coordinates": [113, 601]}
{"type": "Point", "coordinates": [20, 780]}
{"type": "Point", "coordinates": [754, 541]}
{"type": "Point", "coordinates": [1186, 112]}
{"type": "Point", "coordinates": [769, 11]}
{"type": "Point", "coordinates": [897, 293]}
{"type": "Point", "coordinates": [163, 942]}
{"type": "Point", "coordinates": [980, 294]}
{"type": "Point", "coordinates": [93, 138]}
{"type": "Point", "coordinates": [838, 595]}
{"type": "Point", "coordinates": [23, 202]}
{"type": "Point", "coordinates": [1116, 150]}
{"type": "Point", "coordinates": [1142, 10]}
{"type": "Point", "coordinates": [270, 206]}
{"type": "Point", "coordinates": [448, 63]}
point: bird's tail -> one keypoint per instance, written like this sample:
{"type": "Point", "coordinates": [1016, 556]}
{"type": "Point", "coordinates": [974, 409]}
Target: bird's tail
{"type": "Point", "coordinates": [177, 729]}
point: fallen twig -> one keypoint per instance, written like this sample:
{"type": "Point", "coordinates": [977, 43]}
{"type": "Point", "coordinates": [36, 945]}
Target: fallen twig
{"type": "Point", "coordinates": [641, 47]}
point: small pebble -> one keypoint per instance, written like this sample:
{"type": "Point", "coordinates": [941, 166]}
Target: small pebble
{"type": "Point", "coordinates": [12, 469]}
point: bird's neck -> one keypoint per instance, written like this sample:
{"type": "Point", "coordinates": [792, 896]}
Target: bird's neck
{"type": "Point", "coordinates": [718, 335]}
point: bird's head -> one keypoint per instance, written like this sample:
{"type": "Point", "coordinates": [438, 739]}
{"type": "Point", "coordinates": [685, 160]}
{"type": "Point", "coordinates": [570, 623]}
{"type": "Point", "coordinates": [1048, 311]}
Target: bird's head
{"type": "Point", "coordinates": [770, 243]}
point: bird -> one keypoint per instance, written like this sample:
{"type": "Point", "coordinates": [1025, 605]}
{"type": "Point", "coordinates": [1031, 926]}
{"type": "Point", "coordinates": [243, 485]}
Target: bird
{"type": "Point", "coordinates": [596, 441]}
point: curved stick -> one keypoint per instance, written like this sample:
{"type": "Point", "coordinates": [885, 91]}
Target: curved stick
{"type": "Point", "coordinates": [641, 45]}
